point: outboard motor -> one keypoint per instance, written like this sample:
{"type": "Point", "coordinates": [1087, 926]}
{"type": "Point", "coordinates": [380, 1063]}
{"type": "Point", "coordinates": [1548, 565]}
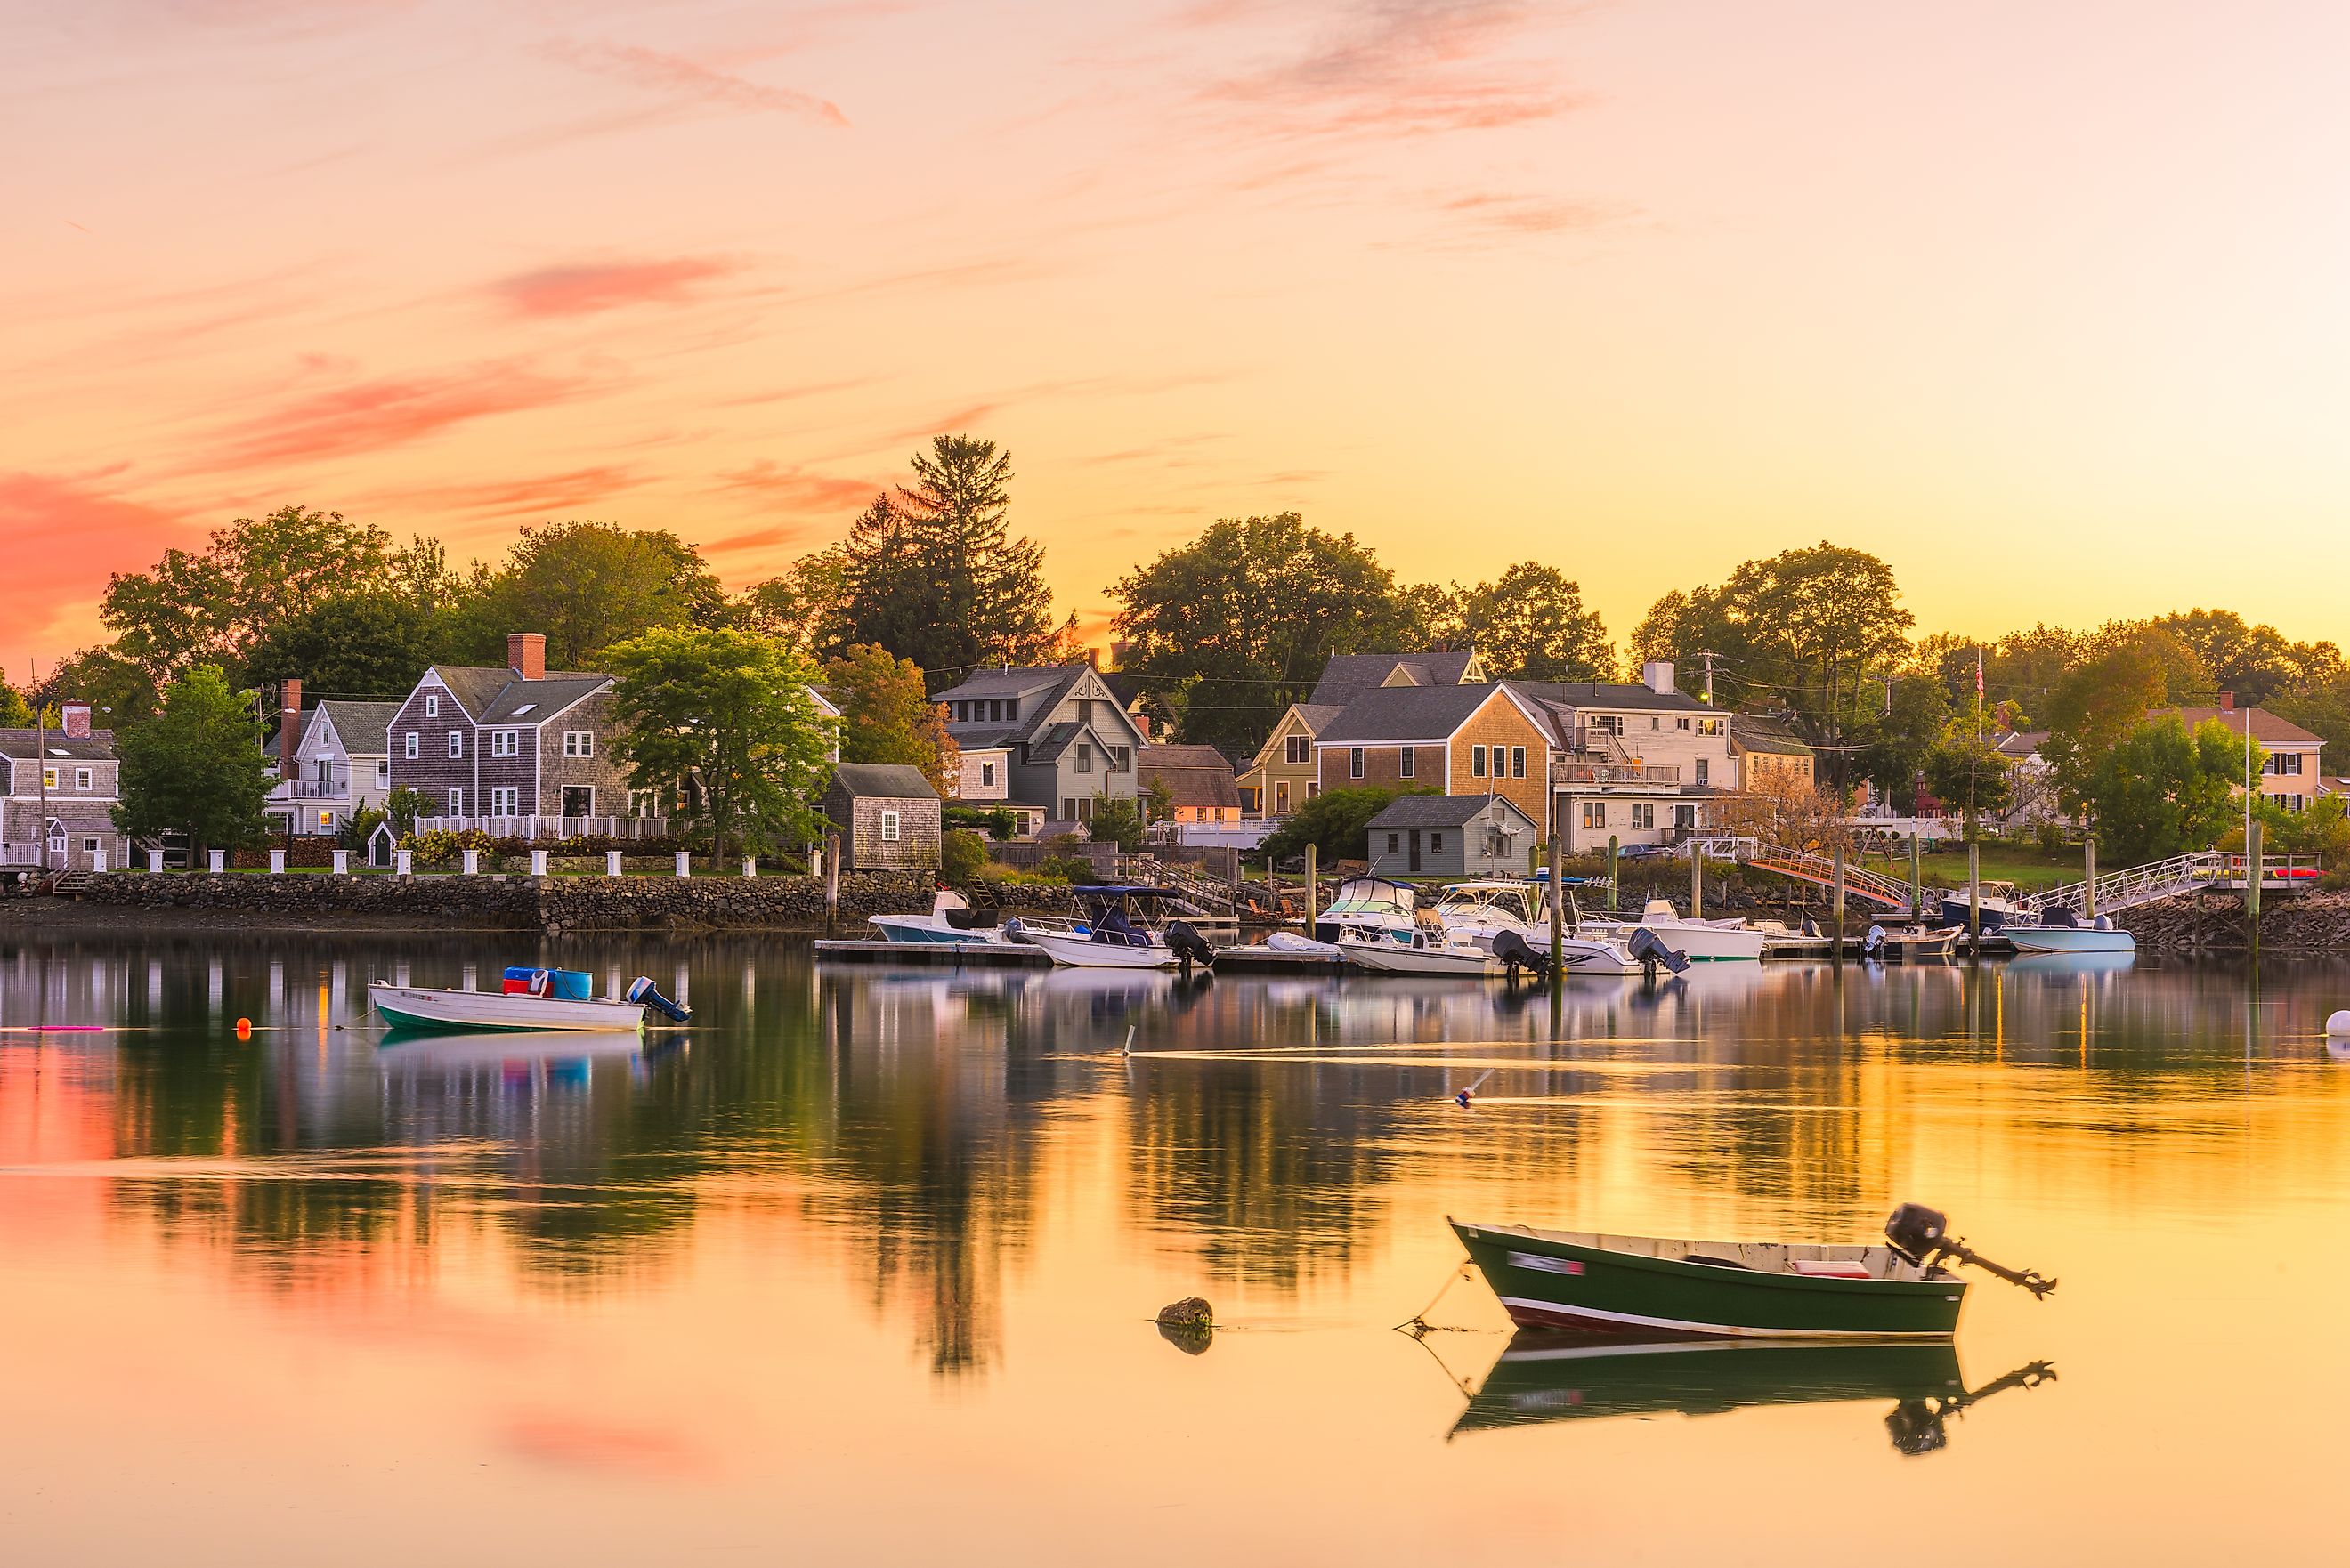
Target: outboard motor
{"type": "Point", "coordinates": [1922, 1236]}
{"type": "Point", "coordinates": [1517, 953]}
{"type": "Point", "coordinates": [1652, 951]}
{"type": "Point", "coordinates": [1812, 928]}
{"type": "Point", "coordinates": [1187, 945]}
{"type": "Point", "coordinates": [1873, 944]}
{"type": "Point", "coordinates": [642, 991]}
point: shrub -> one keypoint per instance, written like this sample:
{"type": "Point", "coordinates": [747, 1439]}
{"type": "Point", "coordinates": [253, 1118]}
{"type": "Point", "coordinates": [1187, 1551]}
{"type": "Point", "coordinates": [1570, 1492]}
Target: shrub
{"type": "Point", "coordinates": [2052, 840]}
{"type": "Point", "coordinates": [1065, 869]}
{"type": "Point", "coordinates": [961, 852]}
{"type": "Point", "coordinates": [997, 823]}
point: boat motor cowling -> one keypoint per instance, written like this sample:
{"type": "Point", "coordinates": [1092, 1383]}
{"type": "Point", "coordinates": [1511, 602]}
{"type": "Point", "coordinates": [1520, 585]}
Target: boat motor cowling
{"type": "Point", "coordinates": [1187, 945]}
{"type": "Point", "coordinates": [1922, 1236]}
{"type": "Point", "coordinates": [643, 993]}
{"type": "Point", "coordinates": [1653, 952]}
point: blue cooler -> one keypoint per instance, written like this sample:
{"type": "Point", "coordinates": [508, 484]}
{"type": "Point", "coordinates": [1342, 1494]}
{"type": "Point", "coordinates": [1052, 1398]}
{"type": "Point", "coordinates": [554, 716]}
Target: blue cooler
{"type": "Point", "coordinates": [573, 985]}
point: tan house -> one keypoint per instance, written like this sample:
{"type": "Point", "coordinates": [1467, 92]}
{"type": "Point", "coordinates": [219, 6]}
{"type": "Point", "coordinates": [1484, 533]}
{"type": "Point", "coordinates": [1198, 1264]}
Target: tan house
{"type": "Point", "coordinates": [1769, 754]}
{"type": "Point", "coordinates": [1490, 738]}
{"type": "Point", "coordinates": [1285, 775]}
{"type": "Point", "coordinates": [2291, 777]}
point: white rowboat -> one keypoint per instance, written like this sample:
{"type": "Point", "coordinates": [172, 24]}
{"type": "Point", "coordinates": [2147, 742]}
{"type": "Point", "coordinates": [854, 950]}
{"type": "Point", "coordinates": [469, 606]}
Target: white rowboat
{"type": "Point", "coordinates": [416, 1007]}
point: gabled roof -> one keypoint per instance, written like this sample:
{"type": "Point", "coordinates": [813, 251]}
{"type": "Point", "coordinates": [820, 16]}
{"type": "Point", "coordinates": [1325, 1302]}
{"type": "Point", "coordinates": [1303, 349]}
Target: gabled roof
{"type": "Point", "coordinates": [1016, 681]}
{"type": "Point", "coordinates": [30, 744]}
{"type": "Point", "coordinates": [499, 696]}
{"type": "Point", "coordinates": [1039, 688]}
{"type": "Point", "coordinates": [2019, 745]}
{"type": "Point", "coordinates": [1349, 675]}
{"type": "Point", "coordinates": [1611, 695]}
{"type": "Point", "coordinates": [1444, 811]}
{"type": "Point", "coordinates": [1388, 715]}
{"type": "Point", "coordinates": [883, 781]}
{"type": "Point", "coordinates": [361, 726]}
{"type": "Point", "coordinates": [1757, 733]}
{"type": "Point", "coordinates": [2268, 728]}
{"type": "Point", "coordinates": [1318, 716]}
{"type": "Point", "coordinates": [1189, 775]}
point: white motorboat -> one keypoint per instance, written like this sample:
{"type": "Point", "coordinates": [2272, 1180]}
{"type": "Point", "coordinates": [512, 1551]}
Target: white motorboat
{"type": "Point", "coordinates": [940, 925]}
{"type": "Point", "coordinates": [1480, 911]}
{"type": "Point", "coordinates": [1112, 937]}
{"type": "Point", "coordinates": [1099, 949]}
{"type": "Point", "coordinates": [2100, 936]}
{"type": "Point", "coordinates": [1702, 940]}
{"type": "Point", "coordinates": [1420, 955]}
{"type": "Point", "coordinates": [405, 1007]}
{"type": "Point", "coordinates": [1911, 944]}
{"type": "Point", "coordinates": [1377, 906]}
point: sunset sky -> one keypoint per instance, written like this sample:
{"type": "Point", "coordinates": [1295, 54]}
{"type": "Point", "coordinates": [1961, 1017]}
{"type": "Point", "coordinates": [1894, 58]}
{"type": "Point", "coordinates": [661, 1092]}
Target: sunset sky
{"type": "Point", "coordinates": [2049, 304]}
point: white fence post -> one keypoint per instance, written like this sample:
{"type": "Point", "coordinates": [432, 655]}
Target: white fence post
{"type": "Point", "coordinates": [539, 862]}
{"type": "Point", "coordinates": [473, 862]}
{"type": "Point", "coordinates": [750, 866]}
{"type": "Point", "coordinates": [406, 864]}
{"type": "Point", "coordinates": [685, 862]}
{"type": "Point", "coordinates": [216, 861]}
{"type": "Point", "coordinates": [277, 863]}
{"type": "Point", "coordinates": [342, 862]}
{"type": "Point", "coordinates": [611, 863]}
{"type": "Point", "coordinates": [155, 862]}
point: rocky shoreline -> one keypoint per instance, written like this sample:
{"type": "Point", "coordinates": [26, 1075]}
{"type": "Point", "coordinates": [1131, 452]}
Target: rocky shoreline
{"type": "Point", "coordinates": [2215, 923]}
{"type": "Point", "coordinates": [551, 904]}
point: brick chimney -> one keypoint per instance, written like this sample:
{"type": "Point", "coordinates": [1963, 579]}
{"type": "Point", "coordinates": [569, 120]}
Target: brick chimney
{"type": "Point", "coordinates": [2227, 701]}
{"type": "Point", "coordinates": [75, 716]}
{"type": "Point", "coordinates": [526, 655]}
{"type": "Point", "coordinates": [289, 724]}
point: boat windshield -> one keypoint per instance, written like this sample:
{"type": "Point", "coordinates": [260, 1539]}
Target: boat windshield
{"type": "Point", "coordinates": [1462, 898]}
{"type": "Point", "coordinates": [1367, 895]}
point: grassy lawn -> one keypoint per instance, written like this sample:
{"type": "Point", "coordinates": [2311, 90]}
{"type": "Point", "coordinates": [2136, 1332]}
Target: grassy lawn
{"type": "Point", "coordinates": [2030, 870]}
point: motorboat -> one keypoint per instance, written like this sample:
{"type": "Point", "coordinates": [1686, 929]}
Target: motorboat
{"type": "Point", "coordinates": [1423, 954]}
{"type": "Point", "coordinates": [531, 999]}
{"type": "Point", "coordinates": [2057, 931]}
{"type": "Point", "coordinates": [1280, 950]}
{"type": "Point", "coordinates": [2001, 907]}
{"type": "Point", "coordinates": [1912, 944]}
{"type": "Point", "coordinates": [1479, 911]}
{"type": "Point", "coordinates": [1125, 927]}
{"type": "Point", "coordinates": [1898, 1289]}
{"type": "Point", "coordinates": [951, 920]}
{"type": "Point", "coordinates": [1701, 940]}
{"type": "Point", "coordinates": [1376, 904]}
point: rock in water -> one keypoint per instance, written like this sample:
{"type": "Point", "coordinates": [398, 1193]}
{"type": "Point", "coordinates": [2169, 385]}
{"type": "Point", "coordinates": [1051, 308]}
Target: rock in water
{"type": "Point", "coordinates": [1191, 1312]}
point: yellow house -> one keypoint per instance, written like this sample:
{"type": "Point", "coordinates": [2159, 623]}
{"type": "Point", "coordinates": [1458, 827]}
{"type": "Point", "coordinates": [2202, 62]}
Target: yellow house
{"type": "Point", "coordinates": [1283, 777]}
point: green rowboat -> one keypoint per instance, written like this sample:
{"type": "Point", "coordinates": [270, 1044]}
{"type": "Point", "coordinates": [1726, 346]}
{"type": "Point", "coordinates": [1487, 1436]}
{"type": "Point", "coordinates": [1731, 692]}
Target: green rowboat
{"type": "Point", "coordinates": [1741, 1289]}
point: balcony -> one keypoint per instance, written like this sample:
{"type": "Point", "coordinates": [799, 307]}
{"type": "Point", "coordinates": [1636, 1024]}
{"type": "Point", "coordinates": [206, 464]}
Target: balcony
{"type": "Point", "coordinates": [1581, 773]}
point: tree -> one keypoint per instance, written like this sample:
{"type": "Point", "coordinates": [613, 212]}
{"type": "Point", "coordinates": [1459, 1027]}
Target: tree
{"type": "Point", "coordinates": [358, 646]}
{"type": "Point", "coordinates": [2160, 791]}
{"type": "Point", "coordinates": [1233, 628]}
{"type": "Point", "coordinates": [255, 573]}
{"type": "Point", "coordinates": [587, 586]}
{"type": "Point", "coordinates": [15, 711]}
{"type": "Point", "coordinates": [2106, 698]}
{"type": "Point", "coordinates": [1116, 821]}
{"type": "Point", "coordinates": [116, 687]}
{"type": "Point", "coordinates": [401, 808]}
{"type": "Point", "coordinates": [934, 574]}
{"type": "Point", "coordinates": [729, 712]}
{"type": "Point", "coordinates": [2255, 662]}
{"type": "Point", "coordinates": [801, 608]}
{"type": "Point", "coordinates": [962, 856]}
{"type": "Point", "coordinates": [1530, 624]}
{"type": "Point", "coordinates": [195, 767]}
{"type": "Point", "coordinates": [1337, 823]}
{"type": "Point", "coordinates": [2325, 712]}
{"type": "Point", "coordinates": [1785, 812]}
{"type": "Point", "coordinates": [1897, 744]}
{"type": "Point", "coordinates": [1968, 772]}
{"type": "Point", "coordinates": [886, 716]}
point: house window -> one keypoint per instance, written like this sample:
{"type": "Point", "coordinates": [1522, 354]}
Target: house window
{"type": "Point", "coordinates": [456, 742]}
{"type": "Point", "coordinates": [1085, 757]}
{"type": "Point", "coordinates": [383, 768]}
{"type": "Point", "coordinates": [411, 745]}
{"type": "Point", "coordinates": [431, 705]}
{"type": "Point", "coordinates": [889, 827]}
{"type": "Point", "coordinates": [504, 799]}
{"type": "Point", "coordinates": [1517, 761]}
{"type": "Point", "coordinates": [1608, 723]}
{"type": "Point", "coordinates": [325, 821]}
{"type": "Point", "coordinates": [48, 778]}
{"type": "Point", "coordinates": [1410, 762]}
{"type": "Point", "coordinates": [1594, 814]}
{"type": "Point", "coordinates": [1012, 707]}
{"type": "Point", "coordinates": [578, 743]}
{"type": "Point", "coordinates": [1476, 762]}
{"type": "Point", "coordinates": [1355, 762]}
{"type": "Point", "coordinates": [1436, 844]}
{"type": "Point", "coordinates": [1644, 815]}
{"type": "Point", "coordinates": [456, 800]}
{"type": "Point", "coordinates": [1298, 749]}
{"type": "Point", "coordinates": [1708, 726]}
{"type": "Point", "coordinates": [90, 846]}
{"type": "Point", "coordinates": [1682, 722]}
{"type": "Point", "coordinates": [81, 775]}
{"type": "Point", "coordinates": [987, 775]}
{"type": "Point", "coordinates": [1391, 843]}
{"type": "Point", "coordinates": [1685, 817]}
{"type": "Point", "coordinates": [1703, 768]}
{"type": "Point", "coordinates": [505, 742]}
{"type": "Point", "coordinates": [1123, 756]}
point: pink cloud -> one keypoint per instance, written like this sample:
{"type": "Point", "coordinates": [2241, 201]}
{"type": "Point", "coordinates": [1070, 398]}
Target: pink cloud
{"type": "Point", "coordinates": [369, 416]}
{"type": "Point", "coordinates": [584, 289]}
{"type": "Point", "coordinates": [62, 538]}
{"type": "Point", "coordinates": [681, 77]}
{"type": "Point", "coordinates": [795, 488]}
{"type": "Point", "coordinates": [958, 422]}
{"type": "Point", "coordinates": [547, 493]}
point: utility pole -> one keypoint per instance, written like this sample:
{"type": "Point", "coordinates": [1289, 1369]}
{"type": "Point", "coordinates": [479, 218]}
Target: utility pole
{"type": "Point", "coordinates": [1709, 656]}
{"type": "Point", "coordinates": [41, 755]}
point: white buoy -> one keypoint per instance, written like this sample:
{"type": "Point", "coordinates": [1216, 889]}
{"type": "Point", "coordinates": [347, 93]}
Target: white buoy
{"type": "Point", "coordinates": [2339, 1024]}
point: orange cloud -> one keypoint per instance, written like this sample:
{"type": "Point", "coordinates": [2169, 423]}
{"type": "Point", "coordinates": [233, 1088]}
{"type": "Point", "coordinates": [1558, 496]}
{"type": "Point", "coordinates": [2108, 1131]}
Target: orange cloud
{"type": "Point", "coordinates": [799, 490]}
{"type": "Point", "coordinates": [681, 78]}
{"type": "Point", "coordinates": [609, 285]}
{"type": "Point", "coordinates": [62, 539]}
{"type": "Point", "coordinates": [506, 498]}
{"type": "Point", "coordinates": [372, 415]}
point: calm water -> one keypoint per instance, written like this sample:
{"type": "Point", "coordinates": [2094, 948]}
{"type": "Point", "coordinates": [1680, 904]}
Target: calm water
{"type": "Point", "coordinates": [861, 1266]}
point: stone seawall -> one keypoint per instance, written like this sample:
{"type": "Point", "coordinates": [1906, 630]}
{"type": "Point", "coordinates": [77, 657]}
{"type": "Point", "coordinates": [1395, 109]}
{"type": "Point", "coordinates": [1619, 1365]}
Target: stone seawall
{"type": "Point", "coordinates": [2214, 922]}
{"type": "Point", "coordinates": [548, 904]}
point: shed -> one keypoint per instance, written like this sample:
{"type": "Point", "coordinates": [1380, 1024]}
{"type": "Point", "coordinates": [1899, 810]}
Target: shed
{"type": "Point", "coordinates": [887, 814]}
{"type": "Point", "coordinates": [1456, 835]}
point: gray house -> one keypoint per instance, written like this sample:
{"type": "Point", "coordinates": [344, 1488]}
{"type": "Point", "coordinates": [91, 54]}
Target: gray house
{"type": "Point", "coordinates": [1455, 835]}
{"type": "Point", "coordinates": [58, 789]}
{"type": "Point", "coordinates": [1063, 735]}
{"type": "Point", "coordinates": [888, 816]}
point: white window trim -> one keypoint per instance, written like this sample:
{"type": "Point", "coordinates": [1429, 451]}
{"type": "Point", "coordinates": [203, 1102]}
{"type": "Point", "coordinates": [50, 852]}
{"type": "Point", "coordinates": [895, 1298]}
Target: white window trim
{"type": "Point", "coordinates": [431, 704]}
{"type": "Point", "coordinates": [411, 747]}
{"type": "Point", "coordinates": [456, 745]}
{"type": "Point", "coordinates": [82, 778]}
{"type": "Point", "coordinates": [505, 742]}
{"type": "Point", "coordinates": [1354, 762]}
{"type": "Point", "coordinates": [578, 743]}
{"type": "Point", "coordinates": [456, 800]}
{"type": "Point", "coordinates": [889, 827]}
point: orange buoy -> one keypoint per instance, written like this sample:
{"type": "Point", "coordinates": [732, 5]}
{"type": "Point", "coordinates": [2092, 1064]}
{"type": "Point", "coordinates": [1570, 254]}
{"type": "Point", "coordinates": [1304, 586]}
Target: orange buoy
{"type": "Point", "coordinates": [244, 1028]}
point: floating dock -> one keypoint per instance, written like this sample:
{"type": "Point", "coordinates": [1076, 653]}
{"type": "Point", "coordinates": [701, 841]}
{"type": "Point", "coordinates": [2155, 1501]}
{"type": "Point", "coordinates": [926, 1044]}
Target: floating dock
{"type": "Point", "coordinates": [946, 955]}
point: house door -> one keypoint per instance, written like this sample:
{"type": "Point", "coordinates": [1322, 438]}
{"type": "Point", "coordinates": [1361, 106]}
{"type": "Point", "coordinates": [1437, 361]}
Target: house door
{"type": "Point", "coordinates": [1414, 836]}
{"type": "Point", "coordinates": [1280, 797]}
{"type": "Point", "coordinates": [579, 800]}
{"type": "Point", "coordinates": [57, 844]}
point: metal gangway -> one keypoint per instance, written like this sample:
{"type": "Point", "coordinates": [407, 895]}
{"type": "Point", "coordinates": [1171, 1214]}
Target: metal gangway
{"type": "Point", "coordinates": [2202, 871]}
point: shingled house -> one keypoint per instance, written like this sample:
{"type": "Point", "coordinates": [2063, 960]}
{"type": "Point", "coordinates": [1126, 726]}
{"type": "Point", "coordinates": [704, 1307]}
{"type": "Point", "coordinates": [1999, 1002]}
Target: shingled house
{"type": "Point", "coordinates": [522, 750]}
{"type": "Point", "coordinates": [887, 814]}
{"type": "Point", "coordinates": [58, 789]}
{"type": "Point", "coordinates": [1191, 783]}
{"type": "Point", "coordinates": [333, 761]}
{"type": "Point", "coordinates": [1055, 735]}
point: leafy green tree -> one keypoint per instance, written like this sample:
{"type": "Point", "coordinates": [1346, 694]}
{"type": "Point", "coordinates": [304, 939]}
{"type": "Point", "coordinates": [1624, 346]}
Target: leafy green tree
{"type": "Point", "coordinates": [195, 767]}
{"type": "Point", "coordinates": [934, 574]}
{"type": "Point", "coordinates": [732, 713]}
{"type": "Point", "coordinates": [962, 856]}
{"type": "Point", "coordinates": [1337, 823]}
{"type": "Point", "coordinates": [116, 687]}
{"type": "Point", "coordinates": [1118, 822]}
{"type": "Point", "coordinates": [802, 607]}
{"type": "Point", "coordinates": [2324, 710]}
{"type": "Point", "coordinates": [370, 645]}
{"type": "Point", "coordinates": [886, 716]}
{"type": "Point", "coordinates": [15, 711]}
{"type": "Point", "coordinates": [2106, 698]}
{"type": "Point", "coordinates": [2256, 662]}
{"type": "Point", "coordinates": [586, 587]}
{"type": "Point", "coordinates": [401, 808]}
{"type": "Point", "coordinates": [1896, 745]}
{"type": "Point", "coordinates": [254, 573]}
{"type": "Point", "coordinates": [1230, 629]}
{"type": "Point", "coordinates": [1965, 772]}
{"type": "Point", "coordinates": [1530, 624]}
{"type": "Point", "coordinates": [2160, 791]}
